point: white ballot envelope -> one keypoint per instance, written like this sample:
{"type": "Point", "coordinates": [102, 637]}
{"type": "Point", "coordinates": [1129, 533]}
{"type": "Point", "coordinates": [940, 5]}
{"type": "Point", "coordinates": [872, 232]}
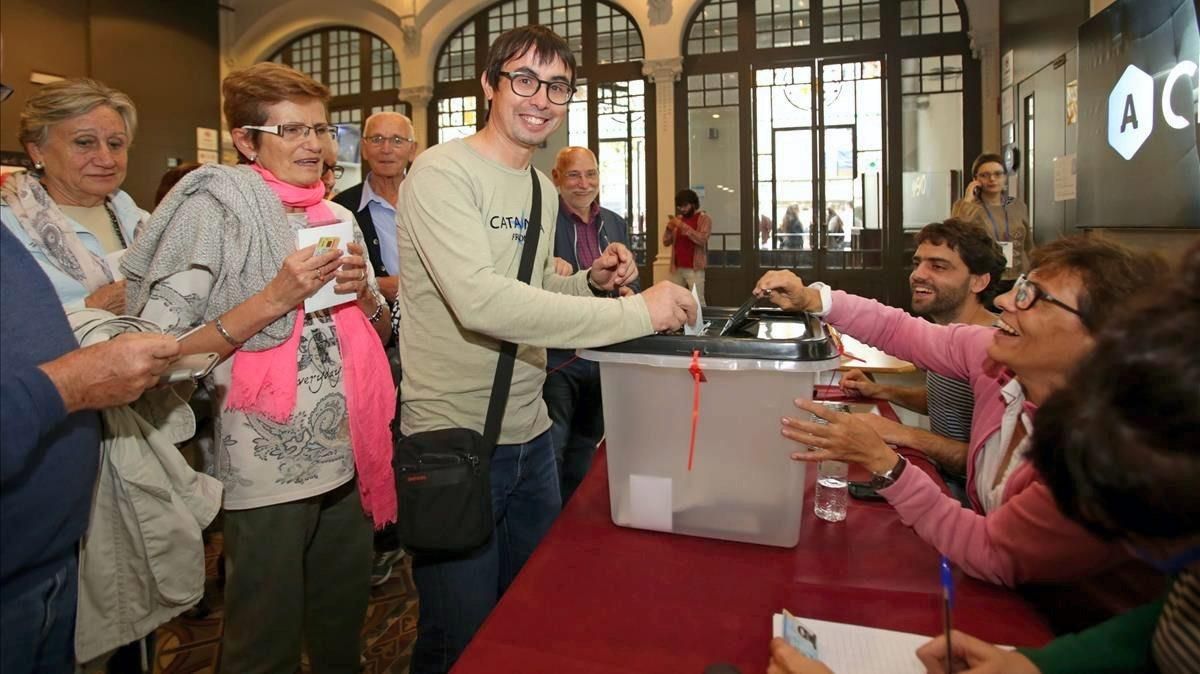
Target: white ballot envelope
{"type": "Point", "coordinates": [697, 327]}
{"type": "Point", "coordinates": [326, 237]}
{"type": "Point", "coordinates": [1006, 247]}
{"type": "Point", "coordinates": [113, 260]}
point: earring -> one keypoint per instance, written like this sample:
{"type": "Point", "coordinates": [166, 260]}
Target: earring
{"type": "Point", "coordinates": [253, 158]}
{"type": "Point", "coordinates": [38, 166]}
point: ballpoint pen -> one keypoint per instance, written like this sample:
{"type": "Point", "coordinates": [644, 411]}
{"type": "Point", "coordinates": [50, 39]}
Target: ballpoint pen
{"type": "Point", "coordinates": [947, 605]}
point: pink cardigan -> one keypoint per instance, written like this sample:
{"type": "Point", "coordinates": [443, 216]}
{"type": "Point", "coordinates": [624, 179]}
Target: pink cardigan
{"type": "Point", "coordinates": [1027, 539]}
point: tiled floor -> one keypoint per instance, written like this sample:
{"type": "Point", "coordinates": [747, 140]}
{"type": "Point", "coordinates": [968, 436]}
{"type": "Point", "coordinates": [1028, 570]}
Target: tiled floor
{"type": "Point", "coordinates": [191, 646]}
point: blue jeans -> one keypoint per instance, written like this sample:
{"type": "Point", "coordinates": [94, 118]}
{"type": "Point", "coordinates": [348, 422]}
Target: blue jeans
{"type": "Point", "coordinates": [39, 626]}
{"type": "Point", "coordinates": [457, 592]}
{"type": "Point", "coordinates": [572, 395]}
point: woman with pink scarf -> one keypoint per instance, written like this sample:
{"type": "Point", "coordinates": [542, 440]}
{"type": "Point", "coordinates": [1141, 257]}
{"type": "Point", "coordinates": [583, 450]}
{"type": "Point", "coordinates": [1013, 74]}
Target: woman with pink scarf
{"type": "Point", "coordinates": [303, 400]}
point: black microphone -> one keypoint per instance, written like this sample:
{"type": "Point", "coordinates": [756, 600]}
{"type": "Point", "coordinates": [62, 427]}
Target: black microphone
{"type": "Point", "coordinates": [722, 668]}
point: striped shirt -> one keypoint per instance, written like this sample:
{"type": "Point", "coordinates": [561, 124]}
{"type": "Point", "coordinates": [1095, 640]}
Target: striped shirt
{"type": "Point", "coordinates": [951, 405]}
{"type": "Point", "coordinates": [1176, 642]}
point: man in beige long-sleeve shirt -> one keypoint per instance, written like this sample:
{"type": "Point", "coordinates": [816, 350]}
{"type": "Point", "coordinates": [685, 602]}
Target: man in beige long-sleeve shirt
{"type": "Point", "coordinates": [462, 223]}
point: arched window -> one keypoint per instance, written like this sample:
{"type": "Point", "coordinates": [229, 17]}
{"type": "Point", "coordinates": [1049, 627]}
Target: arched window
{"type": "Point", "coordinates": [363, 77]}
{"type": "Point", "coordinates": [608, 113]}
{"type": "Point", "coordinates": [824, 104]}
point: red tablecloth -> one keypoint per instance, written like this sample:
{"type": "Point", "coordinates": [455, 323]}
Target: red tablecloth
{"type": "Point", "coordinates": [596, 597]}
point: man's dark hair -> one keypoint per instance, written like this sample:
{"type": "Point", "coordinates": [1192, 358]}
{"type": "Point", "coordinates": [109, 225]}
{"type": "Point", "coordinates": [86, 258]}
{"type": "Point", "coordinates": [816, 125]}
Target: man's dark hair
{"type": "Point", "coordinates": [1119, 446]}
{"type": "Point", "coordinates": [514, 43]}
{"type": "Point", "coordinates": [1112, 274]}
{"type": "Point", "coordinates": [978, 250]}
{"type": "Point", "coordinates": [687, 197]}
{"type": "Point", "coordinates": [986, 158]}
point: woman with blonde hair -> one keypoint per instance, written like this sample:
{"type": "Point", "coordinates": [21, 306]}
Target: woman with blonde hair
{"type": "Point", "coordinates": [987, 203]}
{"type": "Point", "coordinates": [70, 211]}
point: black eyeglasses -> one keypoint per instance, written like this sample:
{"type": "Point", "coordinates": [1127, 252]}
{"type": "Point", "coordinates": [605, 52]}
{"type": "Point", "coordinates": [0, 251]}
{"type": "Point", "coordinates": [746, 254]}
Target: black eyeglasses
{"type": "Point", "coordinates": [295, 132]}
{"type": "Point", "coordinates": [1028, 293]}
{"type": "Point", "coordinates": [335, 169]}
{"type": "Point", "coordinates": [527, 86]}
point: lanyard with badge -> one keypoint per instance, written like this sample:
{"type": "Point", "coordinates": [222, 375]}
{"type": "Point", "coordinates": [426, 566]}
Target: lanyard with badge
{"type": "Point", "coordinates": [1006, 246]}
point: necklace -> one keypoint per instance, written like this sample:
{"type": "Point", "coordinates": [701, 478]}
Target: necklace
{"type": "Point", "coordinates": [116, 225]}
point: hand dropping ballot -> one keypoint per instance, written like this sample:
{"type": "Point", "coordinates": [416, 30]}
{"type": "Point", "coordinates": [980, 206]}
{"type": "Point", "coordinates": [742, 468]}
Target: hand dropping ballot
{"type": "Point", "coordinates": [326, 238]}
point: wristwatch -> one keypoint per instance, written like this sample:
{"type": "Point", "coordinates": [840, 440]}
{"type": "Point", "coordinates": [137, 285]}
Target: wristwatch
{"type": "Point", "coordinates": [596, 290]}
{"type": "Point", "coordinates": [889, 477]}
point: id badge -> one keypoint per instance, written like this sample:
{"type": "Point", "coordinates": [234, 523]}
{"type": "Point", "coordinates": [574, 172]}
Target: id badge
{"type": "Point", "coordinates": [1007, 248]}
{"type": "Point", "coordinates": [799, 637]}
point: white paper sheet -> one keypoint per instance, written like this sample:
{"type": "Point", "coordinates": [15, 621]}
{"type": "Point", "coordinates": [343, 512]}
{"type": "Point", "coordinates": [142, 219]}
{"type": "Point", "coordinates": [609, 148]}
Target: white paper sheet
{"type": "Point", "coordinates": [650, 502]}
{"type": "Point", "coordinates": [1064, 178]}
{"type": "Point", "coordinates": [326, 297]}
{"type": "Point", "coordinates": [862, 650]}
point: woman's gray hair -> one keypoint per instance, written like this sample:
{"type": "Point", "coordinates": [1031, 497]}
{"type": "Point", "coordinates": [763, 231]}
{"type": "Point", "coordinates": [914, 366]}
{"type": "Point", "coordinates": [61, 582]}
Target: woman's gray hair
{"type": "Point", "coordinates": [62, 100]}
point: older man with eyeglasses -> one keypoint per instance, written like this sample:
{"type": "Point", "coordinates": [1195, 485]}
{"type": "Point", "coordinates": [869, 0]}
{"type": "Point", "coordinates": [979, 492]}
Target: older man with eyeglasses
{"type": "Point", "coordinates": [388, 147]}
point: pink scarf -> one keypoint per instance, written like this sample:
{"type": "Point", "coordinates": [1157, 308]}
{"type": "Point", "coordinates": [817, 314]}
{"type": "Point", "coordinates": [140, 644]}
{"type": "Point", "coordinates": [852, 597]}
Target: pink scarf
{"type": "Point", "coordinates": [265, 382]}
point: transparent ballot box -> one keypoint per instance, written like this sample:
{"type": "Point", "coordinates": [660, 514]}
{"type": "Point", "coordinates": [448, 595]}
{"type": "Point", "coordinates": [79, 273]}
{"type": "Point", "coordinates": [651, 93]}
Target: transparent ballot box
{"type": "Point", "coordinates": [742, 485]}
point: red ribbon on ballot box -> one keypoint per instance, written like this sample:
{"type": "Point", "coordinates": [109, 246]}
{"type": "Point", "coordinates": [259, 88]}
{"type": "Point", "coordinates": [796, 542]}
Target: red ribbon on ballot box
{"type": "Point", "coordinates": [697, 379]}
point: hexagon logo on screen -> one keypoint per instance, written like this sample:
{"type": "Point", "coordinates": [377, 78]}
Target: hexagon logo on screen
{"type": "Point", "coordinates": [1131, 112]}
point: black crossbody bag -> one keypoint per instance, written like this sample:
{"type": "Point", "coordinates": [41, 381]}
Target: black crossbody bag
{"type": "Point", "coordinates": [443, 477]}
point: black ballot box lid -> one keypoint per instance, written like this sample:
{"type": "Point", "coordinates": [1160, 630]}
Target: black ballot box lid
{"type": "Point", "coordinates": [765, 334]}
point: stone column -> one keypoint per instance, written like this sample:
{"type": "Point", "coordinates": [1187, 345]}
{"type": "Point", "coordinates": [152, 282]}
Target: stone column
{"type": "Point", "coordinates": [418, 99]}
{"type": "Point", "coordinates": [985, 46]}
{"type": "Point", "coordinates": [664, 73]}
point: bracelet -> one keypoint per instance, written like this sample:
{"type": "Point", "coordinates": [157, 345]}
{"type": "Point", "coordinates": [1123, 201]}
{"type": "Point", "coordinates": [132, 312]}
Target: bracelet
{"type": "Point", "coordinates": [225, 333]}
{"type": "Point", "coordinates": [378, 312]}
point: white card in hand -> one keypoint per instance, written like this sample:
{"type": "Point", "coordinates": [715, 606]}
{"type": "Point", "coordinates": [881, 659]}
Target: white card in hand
{"type": "Point", "coordinates": [1006, 247]}
{"type": "Point", "coordinates": [309, 236]}
{"type": "Point", "coordinates": [697, 327]}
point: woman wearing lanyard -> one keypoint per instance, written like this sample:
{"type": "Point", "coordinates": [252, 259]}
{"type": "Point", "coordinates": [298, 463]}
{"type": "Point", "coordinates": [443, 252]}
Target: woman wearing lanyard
{"type": "Point", "coordinates": [1005, 217]}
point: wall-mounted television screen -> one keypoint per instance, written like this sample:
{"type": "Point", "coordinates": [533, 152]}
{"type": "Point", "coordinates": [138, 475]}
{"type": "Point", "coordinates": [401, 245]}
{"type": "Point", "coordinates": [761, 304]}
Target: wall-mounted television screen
{"type": "Point", "coordinates": [1139, 119]}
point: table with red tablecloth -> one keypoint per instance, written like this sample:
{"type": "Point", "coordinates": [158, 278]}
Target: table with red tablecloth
{"type": "Point", "coordinates": [596, 597]}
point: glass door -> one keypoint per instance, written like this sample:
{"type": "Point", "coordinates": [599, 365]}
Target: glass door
{"type": "Point", "coordinates": [819, 131]}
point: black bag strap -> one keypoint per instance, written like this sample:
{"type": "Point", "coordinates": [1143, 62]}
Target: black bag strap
{"type": "Point", "coordinates": [508, 350]}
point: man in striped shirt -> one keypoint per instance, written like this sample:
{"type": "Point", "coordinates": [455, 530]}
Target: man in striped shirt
{"type": "Point", "coordinates": [956, 268]}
